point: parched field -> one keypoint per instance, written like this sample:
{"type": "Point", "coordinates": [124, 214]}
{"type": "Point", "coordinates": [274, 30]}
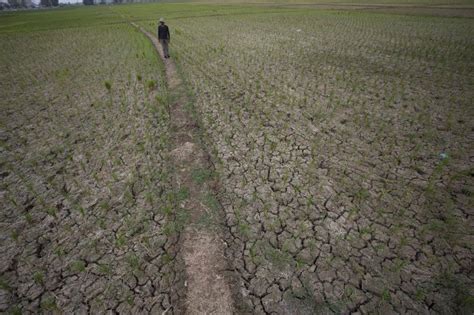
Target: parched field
{"type": "Point", "coordinates": [87, 219]}
{"type": "Point", "coordinates": [342, 142]}
{"type": "Point", "coordinates": [344, 147]}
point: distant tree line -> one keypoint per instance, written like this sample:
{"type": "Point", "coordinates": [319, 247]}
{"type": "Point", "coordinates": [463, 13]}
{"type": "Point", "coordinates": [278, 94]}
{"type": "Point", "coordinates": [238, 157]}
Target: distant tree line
{"type": "Point", "coordinates": [14, 4]}
{"type": "Point", "coordinates": [28, 3]}
{"type": "Point", "coordinates": [91, 2]}
{"type": "Point", "coordinates": [49, 3]}
{"type": "Point", "coordinates": [19, 3]}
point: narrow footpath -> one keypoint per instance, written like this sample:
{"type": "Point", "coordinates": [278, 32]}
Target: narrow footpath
{"type": "Point", "coordinates": [202, 249]}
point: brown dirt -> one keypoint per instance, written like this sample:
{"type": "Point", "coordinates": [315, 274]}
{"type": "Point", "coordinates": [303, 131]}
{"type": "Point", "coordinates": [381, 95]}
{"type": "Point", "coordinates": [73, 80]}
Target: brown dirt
{"type": "Point", "coordinates": [340, 209]}
{"type": "Point", "coordinates": [208, 292]}
{"type": "Point", "coordinates": [85, 186]}
{"type": "Point", "coordinates": [208, 289]}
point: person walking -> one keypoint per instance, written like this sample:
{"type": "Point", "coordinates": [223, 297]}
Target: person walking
{"type": "Point", "coordinates": [164, 37]}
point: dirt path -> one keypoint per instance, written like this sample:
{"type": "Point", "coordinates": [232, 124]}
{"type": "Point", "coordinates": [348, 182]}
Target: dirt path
{"type": "Point", "coordinates": [208, 291]}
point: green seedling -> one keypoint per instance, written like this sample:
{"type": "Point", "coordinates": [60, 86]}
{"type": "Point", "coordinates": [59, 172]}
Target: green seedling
{"type": "Point", "coordinates": [102, 223]}
{"type": "Point", "coordinates": [182, 217]}
{"type": "Point", "coordinates": [49, 304]}
{"type": "Point", "coordinates": [120, 239]}
{"type": "Point", "coordinates": [201, 175]}
{"type": "Point", "coordinates": [105, 269]}
{"type": "Point", "coordinates": [4, 284]}
{"type": "Point", "coordinates": [169, 228]}
{"type": "Point", "coordinates": [151, 84]}
{"type": "Point", "coordinates": [362, 194]}
{"type": "Point", "coordinates": [14, 235]}
{"type": "Point", "coordinates": [166, 258]}
{"type": "Point", "coordinates": [420, 295]}
{"type": "Point", "coordinates": [38, 277]}
{"type": "Point", "coordinates": [59, 251]}
{"type": "Point", "coordinates": [133, 261]}
{"type": "Point", "coordinates": [105, 205]}
{"type": "Point", "coordinates": [29, 218]}
{"type": "Point", "coordinates": [277, 257]}
{"type": "Point", "coordinates": [15, 310]}
{"type": "Point", "coordinates": [108, 85]}
{"type": "Point", "coordinates": [211, 201]}
{"type": "Point", "coordinates": [182, 194]}
{"type": "Point", "coordinates": [244, 229]}
{"type": "Point", "coordinates": [51, 211]}
{"type": "Point", "coordinates": [386, 295]}
{"type": "Point", "coordinates": [130, 300]}
{"type": "Point", "coordinates": [78, 266]}
{"type": "Point", "coordinates": [167, 210]}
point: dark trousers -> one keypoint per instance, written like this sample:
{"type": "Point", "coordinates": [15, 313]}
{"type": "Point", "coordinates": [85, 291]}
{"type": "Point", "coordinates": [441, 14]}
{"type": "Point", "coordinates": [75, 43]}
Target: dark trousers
{"type": "Point", "coordinates": [164, 43]}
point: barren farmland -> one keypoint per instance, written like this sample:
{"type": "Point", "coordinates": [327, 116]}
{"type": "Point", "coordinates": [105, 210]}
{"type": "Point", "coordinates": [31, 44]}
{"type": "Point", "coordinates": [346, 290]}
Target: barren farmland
{"type": "Point", "coordinates": [338, 174]}
{"type": "Point", "coordinates": [87, 221]}
{"type": "Point", "coordinates": [344, 146]}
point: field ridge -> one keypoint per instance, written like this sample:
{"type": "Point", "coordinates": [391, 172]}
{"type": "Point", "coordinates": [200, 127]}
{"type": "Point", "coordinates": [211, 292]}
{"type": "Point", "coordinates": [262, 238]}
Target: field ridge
{"type": "Point", "coordinates": [202, 247]}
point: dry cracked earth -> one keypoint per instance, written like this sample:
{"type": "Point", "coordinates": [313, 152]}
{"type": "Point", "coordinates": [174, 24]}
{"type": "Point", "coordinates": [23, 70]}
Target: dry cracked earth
{"type": "Point", "coordinates": [345, 160]}
{"type": "Point", "coordinates": [87, 220]}
{"type": "Point", "coordinates": [345, 178]}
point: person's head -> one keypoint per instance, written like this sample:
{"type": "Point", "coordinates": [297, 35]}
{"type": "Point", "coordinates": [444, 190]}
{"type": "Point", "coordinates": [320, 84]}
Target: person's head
{"type": "Point", "coordinates": [162, 21]}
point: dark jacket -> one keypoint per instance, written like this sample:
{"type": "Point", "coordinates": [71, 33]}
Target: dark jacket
{"type": "Point", "coordinates": [163, 32]}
